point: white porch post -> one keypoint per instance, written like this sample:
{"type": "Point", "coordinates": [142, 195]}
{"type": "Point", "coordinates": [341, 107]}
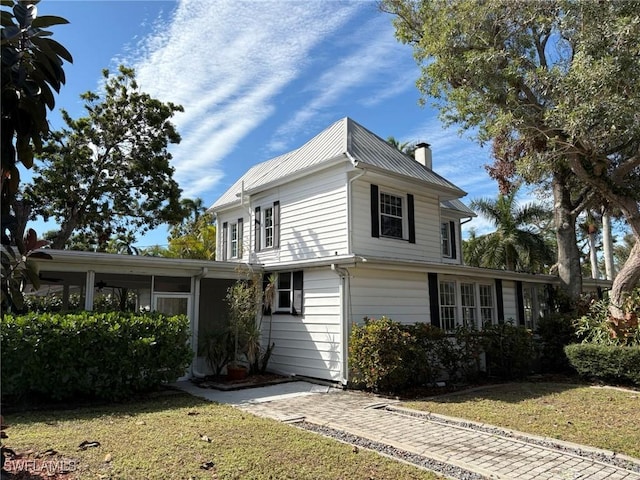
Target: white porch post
{"type": "Point", "coordinates": [89, 287]}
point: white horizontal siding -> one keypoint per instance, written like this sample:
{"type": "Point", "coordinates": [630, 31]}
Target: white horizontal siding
{"type": "Point", "coordinates": [310, 344]}
{"type": "Point", "coordinates": [398, 295]}
{"type": "Point", "coordinates": [313, 217]}
{"type": "Point", "coordinates": [427, 224]}
{"type": "Point", "coordinates": [232, 216]}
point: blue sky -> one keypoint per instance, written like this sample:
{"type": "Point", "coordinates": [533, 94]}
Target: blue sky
{"type": "Point", "coordinates": [257, 79]}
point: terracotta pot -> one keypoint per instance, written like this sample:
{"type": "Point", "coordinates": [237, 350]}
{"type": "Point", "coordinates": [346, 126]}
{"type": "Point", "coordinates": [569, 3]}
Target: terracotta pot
{"type": "Point", "coordinates": [236, 372]}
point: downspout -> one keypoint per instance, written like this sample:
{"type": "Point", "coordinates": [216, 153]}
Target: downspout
{"type": "Point", "coordinates": [195, 321]}
{"type": "Point", "coordinates": [350, 203]}
{"type": "Point", "coordinates": [344, 294]}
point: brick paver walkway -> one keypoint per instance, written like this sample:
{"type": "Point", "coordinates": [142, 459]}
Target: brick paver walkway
{"type": "Point", "coordinates": [490, 454]}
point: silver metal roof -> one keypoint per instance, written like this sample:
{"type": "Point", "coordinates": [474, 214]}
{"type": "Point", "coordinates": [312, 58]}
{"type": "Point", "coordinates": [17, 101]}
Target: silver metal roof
{"type": "Point", "coordinates": [457, 205]}
{"type": "Point", "coordinates": [345, 138]}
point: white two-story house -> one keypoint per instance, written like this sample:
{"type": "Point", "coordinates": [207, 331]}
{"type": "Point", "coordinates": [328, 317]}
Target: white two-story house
{"type": "Point", "coordinates": [354, 228]}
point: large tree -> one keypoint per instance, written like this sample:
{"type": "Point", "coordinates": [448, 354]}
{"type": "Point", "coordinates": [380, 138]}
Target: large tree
{"type": "Point", "coordinates": [560, 77]}
{"type": "Point", "coordinates": [109, 174]}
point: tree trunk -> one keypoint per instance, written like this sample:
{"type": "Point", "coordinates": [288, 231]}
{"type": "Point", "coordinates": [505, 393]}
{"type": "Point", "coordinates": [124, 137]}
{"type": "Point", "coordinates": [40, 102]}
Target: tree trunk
{"type": "Point", "coordinates": [607, 247]}
{"type": "Point", "coordinates": [626, 280]}
{"type": "Point", "coordinates": [593, 255]}
{"type": "Point", "coordinates": [568, 255]}
{"type": "Point", "coordinates": [64, 234]}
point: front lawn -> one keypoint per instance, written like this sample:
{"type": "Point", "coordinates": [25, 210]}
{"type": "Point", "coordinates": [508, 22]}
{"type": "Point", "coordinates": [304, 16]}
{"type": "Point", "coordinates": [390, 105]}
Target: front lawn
{"type": "Point", "coordinates": [178, 436]}
{"type": "Point", "coordinates": [600, 417]}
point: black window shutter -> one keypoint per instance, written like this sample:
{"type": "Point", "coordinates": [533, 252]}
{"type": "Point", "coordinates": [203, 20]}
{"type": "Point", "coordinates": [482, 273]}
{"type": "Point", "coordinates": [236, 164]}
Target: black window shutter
{"type": "Point", "coordinates": [452, 228]}
{"type": "Point", "coordinates": [412, 221]}
{"type": "Point", "coordinates": [520, 302]}
{"type": "Point", "coordinates": [434, 301]}
{"type": "Point", "coordinates": [375, 216]}
{"type": "Point", "coordinates": [296, 306]}
{"type": "Point", "coordinates": [276, 224]}
{"type": "Point", "coordinates": [225, 235]}
{"type": "Point", "coordinates": [257, 229]}
{"type": "Point", "coordinates": [499, 300]}
{"type": "Point", "coordinates": [240, 237]}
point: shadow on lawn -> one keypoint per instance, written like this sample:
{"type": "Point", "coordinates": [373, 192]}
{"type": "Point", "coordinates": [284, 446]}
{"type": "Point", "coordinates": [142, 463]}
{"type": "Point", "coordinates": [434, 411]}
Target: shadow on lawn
{"type": "Point", "coordinates": [512, 392]}
{"type": "Point", "coordinates": [60, 412]}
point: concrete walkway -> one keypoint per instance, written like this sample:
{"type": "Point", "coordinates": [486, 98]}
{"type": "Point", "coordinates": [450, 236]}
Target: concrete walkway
{"type": "Point", "coordinates": [486, 450]}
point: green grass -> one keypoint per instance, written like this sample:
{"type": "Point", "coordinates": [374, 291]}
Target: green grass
{"type": "Point", "coordinates": [599, 417]}
{"type": "Point", "coordinates": [160, 438]}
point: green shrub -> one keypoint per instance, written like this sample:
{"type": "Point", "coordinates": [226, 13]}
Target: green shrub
{"type": "Point", "coordinates": [610, 363]}
{"type": "Point", "coordinates": [509, 350]}
{"type": "Point", "coordinates": [554, 332]}
{"type": "Point", "coordinates": [426, 353]}
{"type": "Point", "coordinates": [97, 355]}
{"type": "Point", "coordinates": [380, 355]}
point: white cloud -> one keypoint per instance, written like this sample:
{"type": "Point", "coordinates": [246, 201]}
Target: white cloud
{"type": "Point", "coordinates": [225, 62]}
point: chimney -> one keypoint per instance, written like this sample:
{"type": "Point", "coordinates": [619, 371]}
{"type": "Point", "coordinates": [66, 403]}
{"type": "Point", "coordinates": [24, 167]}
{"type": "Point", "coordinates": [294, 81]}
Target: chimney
{"type": "Point", "coordinates": [422, 155]}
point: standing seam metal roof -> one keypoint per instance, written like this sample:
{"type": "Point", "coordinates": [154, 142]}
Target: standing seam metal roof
{"type": "Point", "coordinates": [344, 137]}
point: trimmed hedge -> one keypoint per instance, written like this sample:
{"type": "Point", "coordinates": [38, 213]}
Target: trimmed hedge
{"type": "Point", "coordinates": [108, 356]}
{"type": "Point", "coordinates": [606, 362]}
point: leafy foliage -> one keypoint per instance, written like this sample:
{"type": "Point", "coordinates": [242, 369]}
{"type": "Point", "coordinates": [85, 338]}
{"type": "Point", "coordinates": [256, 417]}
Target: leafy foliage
{"type": "Point", "coordinates": [509, 349]}
{"type": "Point", "coordinates": [555, 82]}
{"type": "Point", "coordinates": [387, 356]}
{"type": "Point", "coordinates": [611, 363]}
{"type": "Point", "coordinates": [516, 244]}
{"type": "Point", "coordinates": [195, 236]}
{"type": "Point", "coordinates": [601, 328]}
{"type": "Point", "coordinates": [379, 353]}
{"type": "Point", "coordinates": [98, 355]}
{"type": "Point", "coordinates": [31, 69]}
{"type": "Point", "coordinates": [108, 174]}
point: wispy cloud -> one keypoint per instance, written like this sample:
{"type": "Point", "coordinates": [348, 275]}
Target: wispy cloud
{"type": "Point", "coordinates": [226, 62]}
{"type": "Point", "coordinates": [372, 61]}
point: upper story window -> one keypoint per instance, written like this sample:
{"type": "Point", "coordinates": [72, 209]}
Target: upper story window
{"type": "Point", "coordinates": [391, 218]}
{"type": "Point", "coordinates": [392, 215]}
{"type": "Point", "coordinates": [448, 239]}
{"type": "Point", "coordinates": [232, 240]}
{"type": "Point", "coordinates": [267, 226]}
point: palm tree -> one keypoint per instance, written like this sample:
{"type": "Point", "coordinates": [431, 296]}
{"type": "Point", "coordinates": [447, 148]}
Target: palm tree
{"type": "Point", "coordinates": [516, 244]}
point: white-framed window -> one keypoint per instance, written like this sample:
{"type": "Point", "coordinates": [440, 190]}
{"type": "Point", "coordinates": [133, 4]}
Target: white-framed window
{"type": "Point", "coordinates": [445, 237]}
{"type": "Point", "coordinates": [267, 225]}
{"type": "Point", "coordinates": [466, 303]}
{"type": "Point", "coordinates": [391, 215]}
{"type": "Point", "coordinates": [486, 304]}
{"type": "Point", "coordinates": [233, 240]}
{"type": "Point", "coordinates": [448, 305]}
{"type": "Point", "coordinates": [288, 296]}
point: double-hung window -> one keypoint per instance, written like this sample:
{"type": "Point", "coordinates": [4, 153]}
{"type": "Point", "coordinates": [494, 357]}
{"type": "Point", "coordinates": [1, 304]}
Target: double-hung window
{"type": "Point", "coordinates": [392, 215]}
{"type": "Point", "coordinates": [267, 227]}
{"type": "Point", "coordinates": [391, 218]}
{"type": "Point", "coordinates": [448, 239]}
{"type": "Point", "coordinates": [233, 240]}
{"type": "Point", "coordinates": [288, 297]}
{"type": "Point", "coordinates": [466, 303]}
{"type": "Point", "coordinates": [448, 305]}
